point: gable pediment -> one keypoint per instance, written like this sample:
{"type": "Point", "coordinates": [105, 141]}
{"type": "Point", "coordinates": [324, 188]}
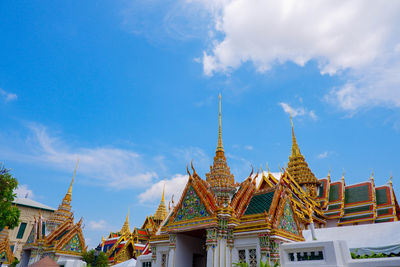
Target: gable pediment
{"type": "Point", "coordinates": [191, 207]}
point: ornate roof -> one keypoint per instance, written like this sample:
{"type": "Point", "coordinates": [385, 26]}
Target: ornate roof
{"type": "Point", "coordinates": [125, 228]}
{"type": "Point", "coordinates": [64, 209]}
{"type": "Point", "coordinates": [298, 167]}
{"type": "Point", "coordinates": [161, 212]}
{"type": "Point", "coordinates": [220, 177]}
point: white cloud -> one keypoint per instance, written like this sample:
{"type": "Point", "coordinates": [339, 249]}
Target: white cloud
{"type": "Point", "coordinates": [8, 96]}
{"type": "Point", "coordinates": [108, 166]}
{"type": "Point", "coordinates": [23, 191]}
{"type": "Point", "coordinates": [248, 147]}
{"type": "Point", "coordinates": [97, 225]}
{"type": "Point", "coordinates": [301, 111]}
{"type": "Point", "coordinates": [173, 186]}
{"type": "Point", "coordinates": [277, 176]}
{"type": "Point", "coordinates": [323, 155]}
{"type": "Point", "coordinates": [358, 40]}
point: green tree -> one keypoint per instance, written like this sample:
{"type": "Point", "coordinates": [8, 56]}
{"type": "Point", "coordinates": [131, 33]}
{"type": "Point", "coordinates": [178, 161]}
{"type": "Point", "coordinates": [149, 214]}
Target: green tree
{"type": "Point", "coordinates": [90, 259]}
{"type": "Point", "coordinates": [9, 214]}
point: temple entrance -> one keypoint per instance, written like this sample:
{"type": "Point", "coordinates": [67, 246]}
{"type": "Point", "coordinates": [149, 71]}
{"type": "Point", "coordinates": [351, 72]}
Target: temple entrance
{"type": "Point", "coordinates": [191, 249]}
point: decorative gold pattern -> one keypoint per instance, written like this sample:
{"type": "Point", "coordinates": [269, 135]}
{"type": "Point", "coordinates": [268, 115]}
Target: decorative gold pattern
{"type": "Point", "coordinates": [299, 170]}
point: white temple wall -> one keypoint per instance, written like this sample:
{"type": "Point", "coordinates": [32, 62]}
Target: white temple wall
{"type": "Point", "coordinates": [245, 243]}
{"type": "Point", "coordinates": [185, 247]}
{"type": "Point", "coordinates": [161, 250]}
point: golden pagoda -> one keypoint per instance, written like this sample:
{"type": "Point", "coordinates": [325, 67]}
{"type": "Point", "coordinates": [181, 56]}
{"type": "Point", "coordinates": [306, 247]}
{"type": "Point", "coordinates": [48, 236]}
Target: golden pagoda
{"type": "Point", "coordinates": [63, 212]}
{"type": "Point", "coordinates": [299, 170]}
{"type": "Point", "coordinates": [161, 212]}
{"type": "Point", "coordinates": [125, 230]}
{"type": "Point", "coordinates": [220, 177]}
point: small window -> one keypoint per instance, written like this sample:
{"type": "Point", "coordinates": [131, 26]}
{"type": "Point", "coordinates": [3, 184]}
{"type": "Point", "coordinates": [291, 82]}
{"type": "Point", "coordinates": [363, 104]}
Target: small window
{"type": "Point", "coordinates": [146, 264]}
{"type": "Point", "coordinates": [43, 230]}
{"type": "Point", "coordinates": [164, 260]}
{"type": "Point", "coordinates": [253, 258]}
{"type": "Point", "coordinates": [242, 256]}
{"type": "Point", "coordinates": [21, 231]}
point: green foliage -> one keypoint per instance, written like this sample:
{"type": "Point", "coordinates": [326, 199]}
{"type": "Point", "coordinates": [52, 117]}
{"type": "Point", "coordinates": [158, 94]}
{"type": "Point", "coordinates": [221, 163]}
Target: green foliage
{"type": "Point", "coordinates": [373, 255]}
{"type": "Point", "coordinates": [9, 214]}
{"type": "Point", "coordinates": [14, 263]}
{"type": "Point", "coordinates": [90, 259]}
{"type": "Point", "coordinates": [266, 264]}
{"type": "Point", "coordinates": [241, 264]}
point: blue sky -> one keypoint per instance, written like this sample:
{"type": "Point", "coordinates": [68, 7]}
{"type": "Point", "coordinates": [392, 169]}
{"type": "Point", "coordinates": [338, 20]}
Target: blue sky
{"type": "Point", "coordinates": [131, 89]}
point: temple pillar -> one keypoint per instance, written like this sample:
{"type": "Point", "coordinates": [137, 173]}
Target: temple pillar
{"type": "Point", "coordinates": [274, 245]}
{"type": "Point", "coordinates": [211, 244]}
{"type": "Point", "coordinates": [171, 252]}
{"type": "Point", "coordinates": [265, 250]}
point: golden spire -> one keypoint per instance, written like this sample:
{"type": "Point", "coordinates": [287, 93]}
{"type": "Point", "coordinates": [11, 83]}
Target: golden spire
{"type": "Point", "coordinates": [125, 228]}
{"type": "Point", "coordinates": [295, 147]}
{"type": "Point", "coordinates": [220, 177]}
{"type": "Point", "coordinates": [72, 182]}
{"type": "Point", "coordinates": [161, 212]}
{"type": "Point", "coordinates": [63, 212]}
{"type": "Point", "coordinates": [163, 194]}
{"type": "Point", "coordinates": [298, 168]}
{"type": "Point", "coordinates": [220, 146]}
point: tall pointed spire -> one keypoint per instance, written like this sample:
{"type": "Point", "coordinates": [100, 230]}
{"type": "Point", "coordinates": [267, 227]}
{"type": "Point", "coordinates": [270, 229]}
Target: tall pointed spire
{"type": "Point", "coordinates": [298, 168]}
{"type": "Point", "coordinates": [295, 146]}
{"type": "Point", "coordinates": [125, 230]}
{"type": "Point", "coordinates": [161, 212]}
{"type": "Point", "coordinates": [220, 177]}
{"type": "Point", "coordinates": [69, 193]}
{"type": "Point", "coordinates": [63, 212]}
{"type": "Point", "coordinates": [220, 147]}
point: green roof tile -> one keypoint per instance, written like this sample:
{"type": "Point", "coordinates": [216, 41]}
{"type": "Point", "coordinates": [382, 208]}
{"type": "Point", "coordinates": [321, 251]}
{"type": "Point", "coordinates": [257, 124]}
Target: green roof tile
{"type": "Point", "coordinates": [381, 196]}
{"type": "Point", "coordinates": [334, 192]}
{"type": "Point", "coordinates": [357, 209]}
{"type": "Point", "coordinates": [383, 211]}
{"type": "Point", "coordinates": [321, 189]}
{"type": "Point", "coordinates": [364, 216]}
{"type": "Point", "coordinates": [358, 193]}
{"type": "Point", "coordinates": [334, 207]}
{"type": "Point", "coordinates": [260, 203]}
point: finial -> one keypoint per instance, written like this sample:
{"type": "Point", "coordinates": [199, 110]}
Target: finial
{"type": "Point", "coordinates": [73, 178]}
{"type": "Point", "coordinates": [187, 170]}
{"type": "Point", "coordinates": [219, 145]}
{"type": "Point", "coordinates": [372, 175]}
{"type": "Point", "coordinates": [343, 175]}
{"type": "Point", "coordinates": [127, 216]}
{"type": "Point", "coordinates": [390, 179]}
{"type": "Point", "coordinates": [163, 194]}
{"type": "Point", "coordinates": [268, 168]}
{"type": "Point", "coordinates": [295, 147]}
{"type": "Point", "coordinates": [194, 171]}
{"type": "Point", "coordinates": [329, 173]}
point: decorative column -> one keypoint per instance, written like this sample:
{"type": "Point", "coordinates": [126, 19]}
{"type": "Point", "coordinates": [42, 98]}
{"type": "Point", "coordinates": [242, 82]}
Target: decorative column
{"type": "Point", "coordinates": [154, 254]}
{"type": "Point", "coordinates": [171, 253]}
{"type": "Point", "coordinates": [229, 247]}
{"type": "Point", "coordinates": [274, 245]}
{"type": "Point", "coordinates": [264, 247]}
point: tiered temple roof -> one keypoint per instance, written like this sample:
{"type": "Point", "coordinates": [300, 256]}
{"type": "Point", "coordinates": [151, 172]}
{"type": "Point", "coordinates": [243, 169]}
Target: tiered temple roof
{"type": "Point", "coordinates": [358, 203]}
{"type": "Point", "coordinates": [125, 245]}
{"type": "Point", "coordinates": [60, 235]}
{"type": "Point", "coordinates": [299, 170]}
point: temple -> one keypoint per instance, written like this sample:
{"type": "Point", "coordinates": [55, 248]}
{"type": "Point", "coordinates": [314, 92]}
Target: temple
{"type": "Point", "coordinates": [6, 254]}
{"type": "Point", "coordinates": [59, 237]}
{"type": "Point", "coordinates": [218, 221]}
{"type": "Point", "coordinates": [124, 245]}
